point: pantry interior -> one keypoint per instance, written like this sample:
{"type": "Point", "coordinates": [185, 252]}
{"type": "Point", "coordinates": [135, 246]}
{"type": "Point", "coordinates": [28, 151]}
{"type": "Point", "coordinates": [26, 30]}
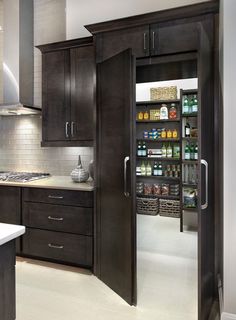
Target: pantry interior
{"type": "Point", "coordinates": [166, 136]}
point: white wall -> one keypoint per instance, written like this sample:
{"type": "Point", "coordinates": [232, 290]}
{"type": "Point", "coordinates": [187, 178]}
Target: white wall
{"type": "Point", "coordinates": [80, 13]}
{"type": "Point", "coordinates": [229, 82]}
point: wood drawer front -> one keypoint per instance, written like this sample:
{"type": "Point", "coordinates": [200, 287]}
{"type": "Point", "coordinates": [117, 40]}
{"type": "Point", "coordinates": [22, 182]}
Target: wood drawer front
{"type": "Point", "coordinates": [58, 218]}
{"type": "Point", "coordinates": [59, 246]}
{"type": "Point", "coordinates": [65, 197]}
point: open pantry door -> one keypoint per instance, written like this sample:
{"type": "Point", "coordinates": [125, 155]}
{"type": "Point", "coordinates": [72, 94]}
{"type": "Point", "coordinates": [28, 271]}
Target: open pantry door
{"type": "Point", "coordinates": [206, 171]}
{"type": "Point", "coordinates": [115, 151]}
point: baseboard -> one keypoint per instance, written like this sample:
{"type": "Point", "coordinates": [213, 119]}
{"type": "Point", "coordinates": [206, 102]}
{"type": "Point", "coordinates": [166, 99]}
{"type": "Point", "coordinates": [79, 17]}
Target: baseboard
{"type": "Point", "coordinates": [228, 316]}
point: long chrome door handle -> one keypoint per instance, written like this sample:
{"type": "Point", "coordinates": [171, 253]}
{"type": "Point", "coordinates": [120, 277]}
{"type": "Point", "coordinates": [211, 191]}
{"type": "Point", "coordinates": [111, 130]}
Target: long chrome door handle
{"type": "Point", "coordinates": [205, 163]}
{"type": "Point", "coordinates": [144, 41]}
{"type": "Point", "coordinates": [126, 193]}
{"type": "Point", "coordinates": [72, 128]}
{"type": "Point", "coordinates": [153, 40]}
{"type": "Point", "coordinates": [66, 129]}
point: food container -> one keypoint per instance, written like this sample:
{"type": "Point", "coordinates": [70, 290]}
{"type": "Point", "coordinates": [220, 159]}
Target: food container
{"type": "Point", "coordinates": [163, 93]}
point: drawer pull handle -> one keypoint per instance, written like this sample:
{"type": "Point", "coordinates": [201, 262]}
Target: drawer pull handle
{"type": "Point", "coordinates": [55, 197]}
{"type": "Point", "coordinates": [54, 246]}
{"type": "Point", "coordinates": [55, 218]}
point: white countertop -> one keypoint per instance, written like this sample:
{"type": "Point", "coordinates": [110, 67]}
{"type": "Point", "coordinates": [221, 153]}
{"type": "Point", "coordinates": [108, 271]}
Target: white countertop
{"type": "Point", "coordinates": [53, 182]}
{"type": "Point", "coordinates": [9, 232]}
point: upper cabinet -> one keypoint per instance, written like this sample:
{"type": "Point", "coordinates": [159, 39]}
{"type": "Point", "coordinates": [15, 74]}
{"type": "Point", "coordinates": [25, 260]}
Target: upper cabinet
{"type": "Point", "coordinates": [68, 83]}
{"type": "Point", "coordinates": [152, 34]}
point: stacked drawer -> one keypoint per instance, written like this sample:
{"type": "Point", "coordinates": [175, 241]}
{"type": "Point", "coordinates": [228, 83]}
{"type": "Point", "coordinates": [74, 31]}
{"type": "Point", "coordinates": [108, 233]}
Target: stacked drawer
{"type": "Point", "coordinates": [59, 225]}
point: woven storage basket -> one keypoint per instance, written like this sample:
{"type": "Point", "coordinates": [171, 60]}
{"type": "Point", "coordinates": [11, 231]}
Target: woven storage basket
{"type": "Point", "coordinates": [169, 208]}
{"type": "Point", "coordinates": [147, 206]}
{"type": "Point", "coordinates": [163, 93]}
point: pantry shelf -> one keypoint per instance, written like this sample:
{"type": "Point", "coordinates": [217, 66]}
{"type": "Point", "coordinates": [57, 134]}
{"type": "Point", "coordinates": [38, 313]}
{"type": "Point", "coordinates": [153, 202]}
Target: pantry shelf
{"type": "Point", "coordinates": [189, 115]}
{"type": "Point", "coordinates": [159, 177]}
{"type": "Point", "coordinates": [158, 121]}
{"type": "Point", "coordinates": [190, 209]}
{"type": "Point", "coordinates": [158, 196]}
{"type": "Point", "coordinates": [158, 159]}
{"type": "Point", "coordinates": [190, 161]}
{"type": "Point", "coordinates": [159, 140]}
{"type": "Point", "coordinates": [156, 102]}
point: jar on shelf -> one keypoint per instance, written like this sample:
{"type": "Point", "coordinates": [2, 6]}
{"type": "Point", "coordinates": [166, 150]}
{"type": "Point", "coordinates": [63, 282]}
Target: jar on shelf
{"type": "Point", "coordinates": [172, 111]}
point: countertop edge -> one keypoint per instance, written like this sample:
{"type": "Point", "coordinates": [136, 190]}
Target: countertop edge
{"type": "Point", "coordinates": [15, 231]}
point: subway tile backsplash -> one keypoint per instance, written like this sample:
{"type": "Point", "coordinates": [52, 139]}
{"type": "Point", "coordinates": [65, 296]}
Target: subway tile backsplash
{"type": "Point", "coordinates": [20, 148]}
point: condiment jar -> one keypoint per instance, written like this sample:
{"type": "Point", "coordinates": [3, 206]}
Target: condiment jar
{"type": "Point", "coordinates": [163, 134]}
{"type": "Point", "coordinates": [163, 112]}
{"type": "Point", "coordinates": [169, 134]}
{"type": "Point", "coordinates": [140, 115]}
{"type": "Point", "coordinates": [173, 112]}
{"type": "Point", "coordinates": [146, 115]}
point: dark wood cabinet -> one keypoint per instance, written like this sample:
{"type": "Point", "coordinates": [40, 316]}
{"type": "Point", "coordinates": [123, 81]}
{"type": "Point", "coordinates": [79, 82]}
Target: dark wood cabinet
{"type": "Point", "coordinates": [7, 281]}
{"type": "Point", "coordinates": [59, 225]}
{"type": "Point", "coordinates": [113, 42]}
{"type": "Point", "coordinates": [68, 83]}
{"type": "Point", "coordinates": [10, 207]}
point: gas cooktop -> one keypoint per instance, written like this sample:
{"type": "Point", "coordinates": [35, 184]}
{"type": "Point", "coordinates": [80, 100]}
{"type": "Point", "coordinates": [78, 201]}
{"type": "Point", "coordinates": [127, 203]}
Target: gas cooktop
{"type": "Point", "coordinates": [12, 176]}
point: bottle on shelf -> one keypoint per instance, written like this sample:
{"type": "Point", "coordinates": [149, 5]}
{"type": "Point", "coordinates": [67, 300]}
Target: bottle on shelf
{"type": "Point", "coordinates": [143, 169]}
{"type": "Point", "coordinates": [186, 105]}
{"type": "Point", "coordinates": [169, 134]}
{"type": "Point", "coordinates": [196, 152]}
{"type": "Point", "coordinates": [169, 151]}
{"type": "Point", "coordinates": [163, 151]}
{"type": "Point", "coordinates": [164, 112]}
{"type": "Point", "coordinates": [192, 151]}
{"type": "Point", "coordinates": [155, 169]}
{"type": "Point", "coordinates": [187, 130]}
{"type": "Point", "coordinates": [176, 151]}
{"type": "Point", "coordinates": [172, 111]}
{"type": "Point", "coordinates": [146, 115]}
{"type": "Point", "coordinates": [190, 104]}
{"type": "Point", "coordinates": [148, 170]}
{"type": "Point", "coordinates": [187, 152]}
{"type": "Point", "coordinates": [144, 150]}
{"type": "Point", "coordinates": [139, 149]}
{"type": "Point", "coordinates": [159, 169]}
{"type": "Point", "coordinates": [195, 104]}
{"type": "Point", "coordinates": [163, 133]}
{"type": "Point", "coordinates": [175, 134]}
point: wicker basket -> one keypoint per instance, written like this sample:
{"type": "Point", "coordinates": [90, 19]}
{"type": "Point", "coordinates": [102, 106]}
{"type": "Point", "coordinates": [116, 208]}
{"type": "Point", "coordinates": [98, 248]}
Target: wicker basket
{"type": "Point", "coordinates": [163, 93]}
{"type": "Point", "coordinates": [147, 206]}
{"type": "Point", "coordinates": [169, 208]}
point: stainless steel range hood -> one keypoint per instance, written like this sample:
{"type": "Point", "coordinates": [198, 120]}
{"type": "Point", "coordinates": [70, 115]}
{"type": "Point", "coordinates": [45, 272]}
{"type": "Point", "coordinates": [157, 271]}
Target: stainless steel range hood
{"type": "Point", "coordinates": [16, 58]}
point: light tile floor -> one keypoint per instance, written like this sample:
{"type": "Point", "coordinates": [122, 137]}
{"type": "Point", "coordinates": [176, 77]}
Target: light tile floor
{"type": "Point", "coordinates": [167, 282]}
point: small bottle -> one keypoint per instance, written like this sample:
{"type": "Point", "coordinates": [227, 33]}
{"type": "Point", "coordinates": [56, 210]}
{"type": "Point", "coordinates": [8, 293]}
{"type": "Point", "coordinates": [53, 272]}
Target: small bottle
{"type": "Point", "coordinates": [169, 134]}
{"type": "Point", "coordinates": [140, 115]}
{"type": "Point", "coordinates": [190, 106]}
{"type": "Point", "coordinates": [169, 151]}
{"type": "Point", "coordinates": [143, 169]}
{"type": "Point", "coordinates": [192, 152]}
{"type": "Point", "coordinates": [187, 130]}
{"type": "Point", "coordinates": [139, 149]}
{"type": "Point", "coordinates": [195, 104]}
{"type": "Point", "coordinates": [144, 150]}
{"type": "Point", "coordinates": [146, 115]}
{"type": "Point", "coordinates": [175, 134]}
{"type": "Point", "coordinates": [148, 169]}
{"type": "Point", "coordinates": [155, 169]}
{"type": "Point", "coordinates": [159, 171]}
{"type": "Point", "coordinates": [172, 111]}
{"type": "Point", "coordinates": [187, 152]}
{"type": "Point", "coordinates": [163, 133]}
{"type": "Point", "coordinates": [163, 112]}
{"type": "Point", "coordinates": [186, 105]}
{"type": "Point", "coordinates": [163, 151]}
{"type": "Point", "coordinates": [196, 152]}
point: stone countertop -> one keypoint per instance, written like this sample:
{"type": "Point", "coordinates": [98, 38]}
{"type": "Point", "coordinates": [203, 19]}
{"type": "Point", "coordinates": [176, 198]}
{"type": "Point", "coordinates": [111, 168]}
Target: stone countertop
{"type": "Point", "coordinates": [9, 232]}
{"type": "Point", "coordinates": [53, 182]}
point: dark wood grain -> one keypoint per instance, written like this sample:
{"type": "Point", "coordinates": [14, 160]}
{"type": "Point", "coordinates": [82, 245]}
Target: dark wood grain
{"type": "Point", "coordinates": [58, 218]}
{"type": "Point", "coordinates": [70, 248]}
{"type": "Point", "coordinates": [10, 208]}
{"type": "Point", "coordinates": [7, 281]}
{"type": "Point", "coordinates": [82, 71]}
{"type": "Point", "coordinates": [117, 218]}
{"type": "Point", "coordinates": [55, 95]}
{"type": "Point", "coordinates": [63, 45]}
{"type": "Point", "coordinates": [59, 197]}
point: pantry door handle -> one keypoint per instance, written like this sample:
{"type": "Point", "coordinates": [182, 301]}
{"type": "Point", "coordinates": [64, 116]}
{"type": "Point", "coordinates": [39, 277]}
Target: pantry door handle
{"type": "Point", "coordinates": [66, 129]}
{"type": "Point", "coordinates": [55, 246]}
{"type": "Point", "coordinates": [72, 128]}
{"type": "Point", "coordinates": [55, 218]}
{"type": "Point", "coordinates": [205, 164]}
{"type": "Point", "coordinates": [144, 41]}
{"type": "Point", "coordinates": [126, 193]}
{"type": "Point", "coordinates": [153, 40]}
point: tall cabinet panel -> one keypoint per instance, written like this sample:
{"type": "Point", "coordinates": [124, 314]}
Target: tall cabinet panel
{"type": "Point", "coordinates": [116, 226]}
{"type": "Point", "coordinates": [55, 110]}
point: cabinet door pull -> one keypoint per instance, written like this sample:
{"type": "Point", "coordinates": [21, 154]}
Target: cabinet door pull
{"type": "Point", "coordinates": [126, 193]}
{"type": "Point", "coordinates": [153, 40]}
{"type": "Point", "coordinates": [144, 41]}
{"type": "Point", "coordinates": [72, 128]}
{"type": "Point", "coordinates": [55, 218]}
{"type": "Point", "coordinates": [66, 129]}
{"type": "Point", "coordinates": [55, 197]}
{"type": "Point", "coordinates": [205, 163]}
{"type": "Point", "coordinates": [54, 246]}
